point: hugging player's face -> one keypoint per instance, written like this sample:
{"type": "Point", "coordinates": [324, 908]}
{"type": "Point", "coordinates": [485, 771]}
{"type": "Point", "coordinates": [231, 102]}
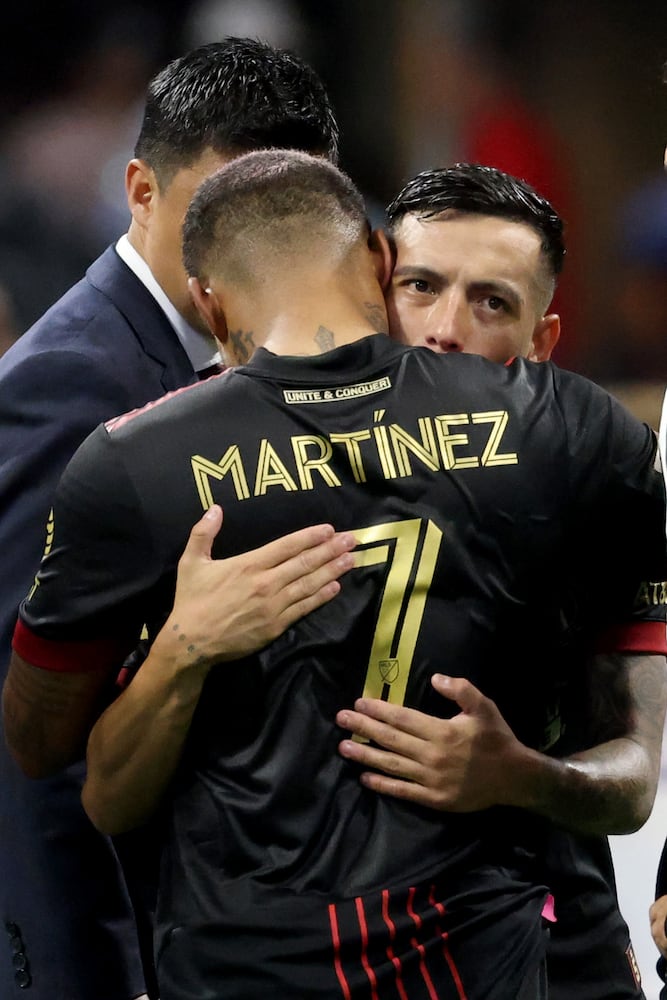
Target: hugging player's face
{"type": "Point", "coordinates": [470, 283]}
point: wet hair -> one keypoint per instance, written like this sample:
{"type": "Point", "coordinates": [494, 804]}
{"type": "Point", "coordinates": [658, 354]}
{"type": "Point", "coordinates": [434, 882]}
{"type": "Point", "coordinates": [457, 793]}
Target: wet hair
{"type": "Point", "coordinates": [233, 96]}
{"type": "Point", "coordinates": [469, 188]}
{"type": "Point", "coordinates": [270, 208]}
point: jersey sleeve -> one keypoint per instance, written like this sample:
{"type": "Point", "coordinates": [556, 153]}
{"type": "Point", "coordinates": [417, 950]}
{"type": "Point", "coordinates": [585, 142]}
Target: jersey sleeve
{"type": "Point", "coordinates": [620, 491]}
{"type": "Point", "coordinates": [88, 601]}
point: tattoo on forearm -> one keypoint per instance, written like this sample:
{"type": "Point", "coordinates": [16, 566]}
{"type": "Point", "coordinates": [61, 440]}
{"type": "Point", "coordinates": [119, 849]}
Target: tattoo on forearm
{"type": "Point", "coordinates": [609, 782]}
{"type": "Point", "coordinates": [243, 344]}
{"type": "Point", "coordinates": [626, 693]}
{"type": "Point", "coordinates": [325, 339]}
{"type": "Point", "coordinates": [609, 701]}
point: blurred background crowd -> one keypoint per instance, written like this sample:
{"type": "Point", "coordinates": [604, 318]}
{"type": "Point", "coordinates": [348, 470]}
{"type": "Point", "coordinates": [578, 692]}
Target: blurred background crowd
{"type": "Point", "coordinates": [565, 93]}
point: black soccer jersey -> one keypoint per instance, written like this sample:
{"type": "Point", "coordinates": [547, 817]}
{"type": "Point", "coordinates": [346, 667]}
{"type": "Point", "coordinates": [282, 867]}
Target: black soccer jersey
{"type": "Point", "coordinates": [500, 514]}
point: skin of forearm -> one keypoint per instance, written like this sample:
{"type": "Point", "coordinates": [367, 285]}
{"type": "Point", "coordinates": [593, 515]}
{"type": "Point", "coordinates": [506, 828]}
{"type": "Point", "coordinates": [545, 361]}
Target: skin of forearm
{"type": "Point", "coordinates": [609, 789]}
{"type": "Point", "coordinates": [137, 743]}
{"type": "Point", "coordinates": [473, 760]}
{"type": "Point", "coordinates": [47, 716]}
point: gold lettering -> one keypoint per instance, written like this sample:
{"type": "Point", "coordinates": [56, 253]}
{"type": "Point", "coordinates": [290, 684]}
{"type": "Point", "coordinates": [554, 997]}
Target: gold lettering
{"type": "Point", "coordinates": [425, 451]}
{"type": "Point", "coordinates": [650, 593]}
{"type": "Point", "coordinates": [410, 559]}
{"type": "Point", "coordinates": [203, 470]}
{"type": "Point", "coordinates": [499, 419]}
{"type": "Point", "coordinates": [306, 465]}
{"type": "Point", "coordinates": [435, 445]}
{"type": "Point", "coordinates": [449, 441]}
{"type": "Point", "coordinates": [351, 442]}
{"type": "Point", "coordinates": [271, 471]}
{"type": "Point", "coordinates": [384, 452]}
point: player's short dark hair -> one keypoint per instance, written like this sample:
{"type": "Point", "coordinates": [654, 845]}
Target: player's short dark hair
{"type": "Point", "coordinates": [277, 202]}
{"type": "Point", "coordinates": [480, 190]}
{"type": "Point", "coordinates": [234, 96]}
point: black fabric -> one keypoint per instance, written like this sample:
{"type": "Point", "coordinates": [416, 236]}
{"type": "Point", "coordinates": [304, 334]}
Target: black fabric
{"type": "Point", "coordinates": [590, 953]}
{"type": "Point", "coordinates": [487, 503]}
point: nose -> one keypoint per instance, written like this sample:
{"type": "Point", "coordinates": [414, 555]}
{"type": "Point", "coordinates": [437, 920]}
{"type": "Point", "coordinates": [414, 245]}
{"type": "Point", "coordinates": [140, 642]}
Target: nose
{"type": "Point", "coordinates": [447, 331]}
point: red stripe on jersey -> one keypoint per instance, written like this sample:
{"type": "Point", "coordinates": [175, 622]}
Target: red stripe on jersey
{"type": "Point", "coordinates": [69, 657]}
{"type": "Point", "coordinates": [412, 913]}
{"type": "Point", "coordinates": [116, 422]}
{"type": "Point", "coordinates": [440, 907]}
{"type": "Point", "coordinates": [395, 961]}
{"type": "Point", "coordinates": [363, 927]}
{"type": "Point", "coordinates": [335, 938]}
{"type": "Point", "coordinates": [633, 637]}
{"type": "Point", "coordinates": [510, 361]}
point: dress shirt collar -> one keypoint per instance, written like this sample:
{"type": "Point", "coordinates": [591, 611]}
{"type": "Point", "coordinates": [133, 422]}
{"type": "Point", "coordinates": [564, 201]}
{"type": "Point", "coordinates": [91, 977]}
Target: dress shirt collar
{"type": "Point", "coordinates": [201, 348]}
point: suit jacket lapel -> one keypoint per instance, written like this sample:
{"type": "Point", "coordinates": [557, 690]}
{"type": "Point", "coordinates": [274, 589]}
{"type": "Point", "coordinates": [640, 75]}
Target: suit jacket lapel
{"type": "Point", "coordinates": [111, 276]}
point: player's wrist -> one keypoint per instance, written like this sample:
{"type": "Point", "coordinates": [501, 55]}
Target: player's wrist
{"type": "Point", "coordinates": [527, 778]}
{"type": "Point", "coordinates": [178, 656]}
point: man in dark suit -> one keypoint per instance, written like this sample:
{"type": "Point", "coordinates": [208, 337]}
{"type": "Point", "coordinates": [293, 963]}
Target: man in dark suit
{"type": "Point", "coordinates": [124, 335]}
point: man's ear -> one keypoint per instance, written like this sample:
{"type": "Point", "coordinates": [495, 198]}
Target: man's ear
{"type": "Point", "coordinates": [141, 188]}
{"type": "Point", "coordinates": [383, 256]}
{"type": "Point", "coordinates": [545, 337]}
{"type": "Point", "coordinates": [209, 308]}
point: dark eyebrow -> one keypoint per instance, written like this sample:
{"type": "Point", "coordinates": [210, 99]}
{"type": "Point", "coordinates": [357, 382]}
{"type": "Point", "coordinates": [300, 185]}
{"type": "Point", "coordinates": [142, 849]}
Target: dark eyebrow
{"type": "Point", "coordinates": [500, 288]}
{"type": "Point", "coordinates": [496, 287]}
{"type": "Point", "coordinates": [416, 271]}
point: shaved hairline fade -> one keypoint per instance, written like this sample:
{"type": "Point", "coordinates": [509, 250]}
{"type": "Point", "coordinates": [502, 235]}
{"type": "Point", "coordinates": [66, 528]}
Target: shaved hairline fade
{"type": "Point", "coordinates": [267, 207]}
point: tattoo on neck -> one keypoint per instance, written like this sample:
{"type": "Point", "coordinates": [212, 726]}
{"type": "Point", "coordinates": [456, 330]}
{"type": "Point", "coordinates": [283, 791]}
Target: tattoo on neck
{"type": "Point", "coordinates": [376, 316]}
{"type": "Point", "coordinates": [243, 344]}
{"type": "Point", "coordinates": [325, 339]}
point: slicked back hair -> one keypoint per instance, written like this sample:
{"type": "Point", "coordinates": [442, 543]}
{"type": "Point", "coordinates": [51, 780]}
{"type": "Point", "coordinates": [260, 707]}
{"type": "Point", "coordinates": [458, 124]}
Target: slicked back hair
{"type": "Point", "coordinates": [268, 209]}
{"type": "Point", "coordinates": [233, 96]}
{"type": "Point", "coordinates": [479, 190]}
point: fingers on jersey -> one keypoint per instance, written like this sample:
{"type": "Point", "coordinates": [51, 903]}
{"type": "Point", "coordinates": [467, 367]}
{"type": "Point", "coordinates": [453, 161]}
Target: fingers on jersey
{"type": "Point", "coordinates": [469, 698]}
{"type": "Point", "coordinates": [235, 606]}
{"type": "Point", "coordinates": [302, 570]}
{"type": "Point", "coordinates": [203, 533]}
{"type": "Point", "coordinates": [406, 749]}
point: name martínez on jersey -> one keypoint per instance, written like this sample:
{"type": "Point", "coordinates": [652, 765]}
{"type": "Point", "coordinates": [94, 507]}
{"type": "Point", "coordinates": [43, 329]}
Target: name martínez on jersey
{"type": "Point", "coordinates": [449, 441]}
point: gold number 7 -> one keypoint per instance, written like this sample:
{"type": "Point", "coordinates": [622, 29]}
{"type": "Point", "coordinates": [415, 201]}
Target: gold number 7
{"type": "Point", "coordinates": [410, 550]}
